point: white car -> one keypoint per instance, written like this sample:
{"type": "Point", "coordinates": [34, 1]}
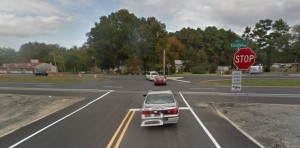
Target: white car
{"type": "Point", "coordinates": [159, 108]}
{"type": "Point", "coordinates": [151, 74]}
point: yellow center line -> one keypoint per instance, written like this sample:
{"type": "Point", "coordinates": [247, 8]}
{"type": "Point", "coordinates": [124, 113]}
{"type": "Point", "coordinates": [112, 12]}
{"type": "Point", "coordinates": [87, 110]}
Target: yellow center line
{"type": "Point", "coordinates": [116, 133]}
{"type": "Point", "coordinates": [124, 130]}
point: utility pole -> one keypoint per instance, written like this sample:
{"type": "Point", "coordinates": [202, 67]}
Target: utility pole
{"type": "Point", "coordinates": [164, 65]}
{"type": "Point", "coordinates": [63, 60]}
{"type": "Point", "coordinates": [54, 59]}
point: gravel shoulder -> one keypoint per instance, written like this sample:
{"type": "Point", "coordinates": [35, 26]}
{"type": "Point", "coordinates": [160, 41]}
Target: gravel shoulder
{"type": "Point", "coordinates": [17, 111]}
{"type": "Point", "coordinates": [273, 125]}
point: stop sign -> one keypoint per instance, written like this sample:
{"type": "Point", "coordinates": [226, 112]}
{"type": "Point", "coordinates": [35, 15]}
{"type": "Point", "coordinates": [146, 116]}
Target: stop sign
{"type": "Point", "coordinates": [169, 66]}
{"type": "Point", "coordinates": [244, 58]}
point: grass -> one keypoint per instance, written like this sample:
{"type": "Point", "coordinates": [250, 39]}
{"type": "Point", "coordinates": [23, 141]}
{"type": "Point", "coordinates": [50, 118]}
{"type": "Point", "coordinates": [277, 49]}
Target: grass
{"type": "Point", "coordinates": [190, 74]}
{"type": "Point", "coordinates": [254, 82]}
{"type": "Point", "coordinates": [55, 78]}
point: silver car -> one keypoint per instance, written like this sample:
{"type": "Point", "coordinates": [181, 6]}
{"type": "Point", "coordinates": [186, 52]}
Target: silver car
{"type": "Point", "coordinates": [151, 74]}
{"type": "Point", "coordinates": [159, 108]}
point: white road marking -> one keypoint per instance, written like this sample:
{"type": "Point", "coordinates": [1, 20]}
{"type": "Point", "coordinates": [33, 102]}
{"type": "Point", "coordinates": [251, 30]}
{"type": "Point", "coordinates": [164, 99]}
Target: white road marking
{"type": "Point", "coordinates": [112, 86]}
{"type": "Point", "coordinates": [174, 78]}
{"type": "Point", "coordinates": [184, 108]}
{"type": "Point", "coordinates": [183, 81]}
{"type": "Point", "coordinates": [201, 124]}
{"type": "Point", "coordinates": [43, 85]}
{"type": "Point", "coordinates": [54, 89]}
{"type": "Point", "coordinates": [39, 83]}
{"type": "Point", "coordinates": [203, 88]}
{"type": "Point", "coordinates": [41, 130]}
{"type": "Point", "coordinates": [243, 94]}
{"type": "Point", "coordinates": [139, 109]}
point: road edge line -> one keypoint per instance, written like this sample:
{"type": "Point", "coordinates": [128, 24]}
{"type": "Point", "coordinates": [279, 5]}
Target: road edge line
{"type": "Point", "coordinates": [239, 129]}
{"type": "Point", "coordinates": [57, 121]}
{"type": "Point", "coordinates": [201, 124]}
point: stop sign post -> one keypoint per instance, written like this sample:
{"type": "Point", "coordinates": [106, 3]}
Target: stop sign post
{"type": "Point", "coordinates": [244, 58]}
{"type": "Point", "coordinates": [169, 66]}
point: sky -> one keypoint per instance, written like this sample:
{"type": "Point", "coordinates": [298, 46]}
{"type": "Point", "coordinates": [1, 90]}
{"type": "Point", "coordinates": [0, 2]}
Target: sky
{"type": "Point", "coordinates": [66, 22]}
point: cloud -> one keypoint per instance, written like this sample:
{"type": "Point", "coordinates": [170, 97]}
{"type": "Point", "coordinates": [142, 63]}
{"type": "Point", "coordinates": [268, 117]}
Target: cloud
{"type": "Point", "coordinates": [76, 3]}
{"type": "Point", "coordinates": [230, 14]}
{"type": "Point", "coordinates": [29, 25]}
{"type": "Point", "coordinates": [30, 17]}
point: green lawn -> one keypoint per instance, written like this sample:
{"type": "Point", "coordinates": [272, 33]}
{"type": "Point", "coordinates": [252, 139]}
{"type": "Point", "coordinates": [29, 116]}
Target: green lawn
{"type": "Point", "coordinates": [254, 82]}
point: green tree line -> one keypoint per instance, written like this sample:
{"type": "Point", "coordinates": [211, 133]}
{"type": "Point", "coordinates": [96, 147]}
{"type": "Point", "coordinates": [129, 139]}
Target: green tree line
{"type": "Point", "coordinates": [122, 39]}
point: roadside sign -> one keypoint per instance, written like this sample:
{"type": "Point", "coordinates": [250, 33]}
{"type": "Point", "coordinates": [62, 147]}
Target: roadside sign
{"type": "Point", "coordinates": [244, 58]}
{"type": "Point", "coordinates": [236, 83]}
{"type": "Point", "coordinates": [169, 66]}
{"type": "Point", "coordinates": [239, 43]}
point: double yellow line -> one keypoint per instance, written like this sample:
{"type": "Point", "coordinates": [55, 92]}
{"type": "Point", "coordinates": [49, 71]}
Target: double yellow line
{"type": "Point", "coordinates": [117, 144]}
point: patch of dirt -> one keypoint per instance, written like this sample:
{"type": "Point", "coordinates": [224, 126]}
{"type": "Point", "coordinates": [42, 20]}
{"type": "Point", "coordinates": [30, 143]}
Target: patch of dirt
{"type": "Point", "coordinates": [273, 125]}
{"type": "Point", "coordinates": [17, 111]}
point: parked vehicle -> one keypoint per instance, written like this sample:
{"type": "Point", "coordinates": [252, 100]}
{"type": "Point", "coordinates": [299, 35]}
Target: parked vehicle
{"type": "Point", "coordinates": [159, 108]}
{"type": "Point", "coordinates": [256, 69]}
{"type": "Point", "coordinates": [151, 74]}
{"type": "Point", "coordinates": [160, 80]}
{"type": "Point", "coordinates": [41, 73]}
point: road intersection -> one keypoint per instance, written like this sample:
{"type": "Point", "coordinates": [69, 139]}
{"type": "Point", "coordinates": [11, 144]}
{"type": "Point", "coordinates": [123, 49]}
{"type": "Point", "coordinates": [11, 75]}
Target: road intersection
{"type": "Point", "coordinates": [95, 121]}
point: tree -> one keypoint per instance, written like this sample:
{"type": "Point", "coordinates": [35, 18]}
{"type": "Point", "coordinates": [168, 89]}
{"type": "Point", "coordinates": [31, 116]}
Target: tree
{"type": "Point", "coordinates": [120, 35]}
{"type": "Point", "coordinates": [295, 47]}
{"type": "Point", "coordinates": [74, 61]}
{"type": "Point", "coordinates": [133, 64]}
{"type": "Point", "coordinates": [271, 37]}
{"type": "Point", "coordinates": [112, 38]}
{"type": "Point", "coordinates": [176, 47]}
{"type": "Point", "coordinates": [34, 50]}
{"type": "Point", "coordinates": [155, 34]}
{"type": "Point", "coordinates": [7, 55]}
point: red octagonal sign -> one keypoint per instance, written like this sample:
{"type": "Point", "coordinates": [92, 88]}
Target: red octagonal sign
{"type": "Point", "coordinates": [244, 58]}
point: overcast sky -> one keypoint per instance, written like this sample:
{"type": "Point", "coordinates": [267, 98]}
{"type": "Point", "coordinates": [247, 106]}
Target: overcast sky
{"type": "Point", "coordinates": [66, 22]}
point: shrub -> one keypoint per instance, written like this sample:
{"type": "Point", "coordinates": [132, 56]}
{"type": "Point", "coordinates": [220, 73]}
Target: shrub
{"type": "Point", "coordinates": [212, 69]}
{"type": "Point", "coordinates": [198, 70]}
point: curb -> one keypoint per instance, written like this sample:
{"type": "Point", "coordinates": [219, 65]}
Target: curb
{"type": "Point", "coordinates": [236, 126]}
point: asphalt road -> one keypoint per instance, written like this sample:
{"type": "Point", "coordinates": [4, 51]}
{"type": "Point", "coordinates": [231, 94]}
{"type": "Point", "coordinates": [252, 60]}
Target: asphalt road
{"type": "Point", "coordinates": [110, 117]}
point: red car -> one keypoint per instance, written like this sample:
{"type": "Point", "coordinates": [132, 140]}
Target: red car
{"type": "Point", "coordinates": [160, 80]}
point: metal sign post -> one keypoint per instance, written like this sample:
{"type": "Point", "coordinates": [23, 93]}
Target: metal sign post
{"type": "Point", "coordinates": [169, 66]}
{"type": "Point", "coordinates": [236, 83]}
{"type": "Point", "coordinates": [248, 86]}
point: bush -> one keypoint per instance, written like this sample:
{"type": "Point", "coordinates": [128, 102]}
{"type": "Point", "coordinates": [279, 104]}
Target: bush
{"type": "Point", "coordinates": [213, 69]}
{"type": "Point", "coordinates": [266, 69]}
{"type": "Point", "coordinates": [198, 70]}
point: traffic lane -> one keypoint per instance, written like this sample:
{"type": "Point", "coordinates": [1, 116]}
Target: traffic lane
{"type": "Point", "coordinates": [92, 126]}
{"type": "Point", "coordinates": [269, 75]}
{"type": "Point", "coordinates": [50, 92]}
{"type": "Point", "coordinates": [121, 83]}
{"type": "Point", "coordinates": [187, 133]}
{"type": "Point", "coordinates": [224, 133]}
{"type": "Point", "coordinates": [245, 89]}
{"type": "Point", "coordinates": [216, 97]}
{"type": "Point", "coordinates": [27, 130]}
